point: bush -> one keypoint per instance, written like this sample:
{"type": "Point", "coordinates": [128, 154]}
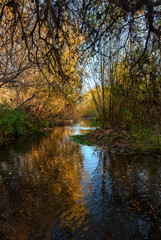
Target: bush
{"type": "Point", "coordinates": [44, 123]}
{"type": "Point", "coordinates": [15, 121]}
{"type": "Point", "coordinates": [51, 124]}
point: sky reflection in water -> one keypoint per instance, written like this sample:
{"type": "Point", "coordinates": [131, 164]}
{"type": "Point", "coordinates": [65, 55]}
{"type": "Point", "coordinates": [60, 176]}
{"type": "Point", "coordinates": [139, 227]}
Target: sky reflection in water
{"type": "Point", "coordinates": [53, 188]}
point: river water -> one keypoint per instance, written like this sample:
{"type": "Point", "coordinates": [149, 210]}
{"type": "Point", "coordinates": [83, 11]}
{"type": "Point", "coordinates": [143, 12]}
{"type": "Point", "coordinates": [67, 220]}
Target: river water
{"type": "Point", "coordinates": [52, 188]}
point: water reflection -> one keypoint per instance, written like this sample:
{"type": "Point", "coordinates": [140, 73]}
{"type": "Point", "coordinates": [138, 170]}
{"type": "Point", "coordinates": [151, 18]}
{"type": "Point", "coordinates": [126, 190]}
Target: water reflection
{"type": "Point", "coordinates": [53, 188]}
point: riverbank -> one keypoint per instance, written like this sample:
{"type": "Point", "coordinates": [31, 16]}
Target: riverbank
{"type": "Point", "coordinates": [18, 122]}
{"type": "Point", "coordinates": [143, 141]}
{"type": "Point", "coordinates": [7, 137]}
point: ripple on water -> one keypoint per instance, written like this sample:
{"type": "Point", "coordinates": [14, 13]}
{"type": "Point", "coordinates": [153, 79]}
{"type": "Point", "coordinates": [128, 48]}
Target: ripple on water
{"type": "Point", "coordinates": [53, 188]}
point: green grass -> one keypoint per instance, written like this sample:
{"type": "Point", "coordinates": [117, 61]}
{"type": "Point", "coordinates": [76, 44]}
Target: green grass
{"type": "Point", "coordinates": [140, 140]}
{"type": "Point", "coordinates": [95, 123]}
{"type": "Point", "coordinates": [146, 140]}
{"type": "Point", "coordinates": [81, 139]}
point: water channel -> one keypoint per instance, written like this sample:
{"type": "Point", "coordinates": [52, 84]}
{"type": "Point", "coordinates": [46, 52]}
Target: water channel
{"type": "Point", "coordinates": [52, 188]}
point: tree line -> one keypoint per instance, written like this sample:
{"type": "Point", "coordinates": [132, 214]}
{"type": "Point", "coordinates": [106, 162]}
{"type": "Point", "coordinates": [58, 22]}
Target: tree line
{"type": "Point", "coordinates": [45, 46]}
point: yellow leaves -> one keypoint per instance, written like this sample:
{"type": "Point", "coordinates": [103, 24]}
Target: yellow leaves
{"type": "Point", "coordinates": [56, 187]}
{"type": "Point", "coordinates": [143, 12]}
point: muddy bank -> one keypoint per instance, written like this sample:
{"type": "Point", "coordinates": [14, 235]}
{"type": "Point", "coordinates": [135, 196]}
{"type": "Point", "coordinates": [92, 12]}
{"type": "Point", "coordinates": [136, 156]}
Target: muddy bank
{"type": "Point", "coordinates": [118, 140]}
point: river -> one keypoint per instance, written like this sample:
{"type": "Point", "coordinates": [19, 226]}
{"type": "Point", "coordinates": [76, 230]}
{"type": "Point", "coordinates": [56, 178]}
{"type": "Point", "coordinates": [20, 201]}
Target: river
{"type": "Point", "coordinates": [52, 188]}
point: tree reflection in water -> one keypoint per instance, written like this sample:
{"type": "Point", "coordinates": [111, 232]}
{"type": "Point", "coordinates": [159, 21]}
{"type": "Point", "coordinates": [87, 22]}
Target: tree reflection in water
{"type": "Point", "coordinates": [52, 188]}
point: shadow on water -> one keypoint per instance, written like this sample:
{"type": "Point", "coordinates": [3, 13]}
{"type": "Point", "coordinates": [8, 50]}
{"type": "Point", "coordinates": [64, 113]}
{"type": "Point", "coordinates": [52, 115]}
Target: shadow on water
{"type": "Point", "coordinates": [52, 188]}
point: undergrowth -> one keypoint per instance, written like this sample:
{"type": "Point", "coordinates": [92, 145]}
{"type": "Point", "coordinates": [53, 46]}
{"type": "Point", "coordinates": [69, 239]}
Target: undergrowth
{"type": "Point", "coordinates": [14, 122]}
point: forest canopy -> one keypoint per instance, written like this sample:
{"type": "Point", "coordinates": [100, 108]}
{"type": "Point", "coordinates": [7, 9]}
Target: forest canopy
{"type": "Point", "coordinates": [46, 45]}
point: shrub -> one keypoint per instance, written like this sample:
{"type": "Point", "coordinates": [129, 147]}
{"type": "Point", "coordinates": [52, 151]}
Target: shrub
{"type": "Point", "coordinates": [15, 121]}
{"type": "Point", "coordinates": [44, 123]}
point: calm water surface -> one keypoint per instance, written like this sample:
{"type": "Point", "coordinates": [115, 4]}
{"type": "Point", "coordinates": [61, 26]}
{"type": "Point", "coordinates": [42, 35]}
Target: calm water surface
{"type": "Point", "coordinates": [52, 188]}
